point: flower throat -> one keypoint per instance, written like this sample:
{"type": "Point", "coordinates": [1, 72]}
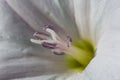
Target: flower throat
{"type": "Point", "coordinates": [78, 53]}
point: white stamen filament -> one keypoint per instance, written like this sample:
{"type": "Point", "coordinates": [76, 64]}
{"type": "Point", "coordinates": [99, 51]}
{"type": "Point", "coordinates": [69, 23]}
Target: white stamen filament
{"type": "Point", "coordinates": [41, 41]}
{"type": "Point", "coordinates": [53, 34]}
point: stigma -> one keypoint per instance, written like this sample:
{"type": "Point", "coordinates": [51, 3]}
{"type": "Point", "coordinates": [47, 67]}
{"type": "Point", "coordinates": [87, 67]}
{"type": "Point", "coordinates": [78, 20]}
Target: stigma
{"type": "Point", "coordinates": [51, 40]}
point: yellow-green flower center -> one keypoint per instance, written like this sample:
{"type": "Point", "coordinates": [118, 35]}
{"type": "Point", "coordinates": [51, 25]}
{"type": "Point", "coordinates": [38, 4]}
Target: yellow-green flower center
{"type": "Point", "coordinates": [81, 53]}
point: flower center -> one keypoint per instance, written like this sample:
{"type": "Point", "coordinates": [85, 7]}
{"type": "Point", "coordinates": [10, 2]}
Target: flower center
{"type": "Point", "coordinates": [78, 53]}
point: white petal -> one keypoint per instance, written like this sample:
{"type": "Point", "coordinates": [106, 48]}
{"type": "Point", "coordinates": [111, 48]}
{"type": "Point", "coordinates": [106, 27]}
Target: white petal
{"type": "Point", "coordinates": [60, 12]}
{"type": "Point", "coordinates": [89, 16]}
{"type": "Point", "coordinates": [82, 18]}
{"type": "Point", "coordinates": [106, 65]}
{"type": "Point", "coordinates": [18, 56]}
{"type": "Point", "coordinates": [104, 13]}
{"type": "Point", "coordinates": [44, 77]}
{"type": "Point", "coordinates": [49, 77]}
{"type": "Point", "coordinates": [39, 12]}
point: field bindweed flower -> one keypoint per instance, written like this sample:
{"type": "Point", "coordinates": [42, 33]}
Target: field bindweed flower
{"type": "Point", "coordinates": [59, 39]}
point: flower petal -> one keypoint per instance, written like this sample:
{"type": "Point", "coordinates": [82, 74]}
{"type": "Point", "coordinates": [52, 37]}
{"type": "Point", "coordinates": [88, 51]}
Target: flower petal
{"type": "Point", "coordinates": [39, 12]}
{"type": "Point", "coordinates": [89, 16]}
{"type": "Point", "coordinates": [106, 66]}
{"type": "Point", "coordinates": [18, 56]}
{"type": "Point", "coordinates": [82, 10]}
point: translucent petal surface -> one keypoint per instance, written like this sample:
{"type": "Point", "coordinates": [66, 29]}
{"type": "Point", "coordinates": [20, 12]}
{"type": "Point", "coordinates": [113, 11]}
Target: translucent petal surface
{"type": "Point", "coordinates": [39, 12]}
{"type": "Point", "coordinates": [18, 56]}
{"type": "Point", "coordinates": [106, 66]}
{"type": "Point", "coordinates": [90, 17]}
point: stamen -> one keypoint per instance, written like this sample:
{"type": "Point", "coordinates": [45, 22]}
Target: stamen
{"type": "Point", "coordinates": [36, 41]}
{"type": "Point", "coordinates": [53, 34]}
{"type": "Point", "coordinates": [49, 45]}
{"type": "Point", "coordinates": [50, 29]}
{"type": "Point", "coordinates": [52, 41]}
{"type": "Point", "coordinates": [49, 26]}
{"type": "Point", "coordinates": [69, 40]}
{"type": "Point", "coordinates": [40, 35]}
{"type": "Point", "coordinates": [41, 41]}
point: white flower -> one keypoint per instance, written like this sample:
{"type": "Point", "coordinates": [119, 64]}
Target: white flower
{"type": "Point", "coordinates": [80, 19]}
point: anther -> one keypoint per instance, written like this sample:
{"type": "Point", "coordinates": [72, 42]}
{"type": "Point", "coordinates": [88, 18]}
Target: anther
{"type": "Point", "coordinates": [52, 40]}
{"type": "Point", "coordinates": [69, 40]}
{"type": "Point", "coordinates": [40, 35]}
{"type": "Point", "coordinates": [49, 45]}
